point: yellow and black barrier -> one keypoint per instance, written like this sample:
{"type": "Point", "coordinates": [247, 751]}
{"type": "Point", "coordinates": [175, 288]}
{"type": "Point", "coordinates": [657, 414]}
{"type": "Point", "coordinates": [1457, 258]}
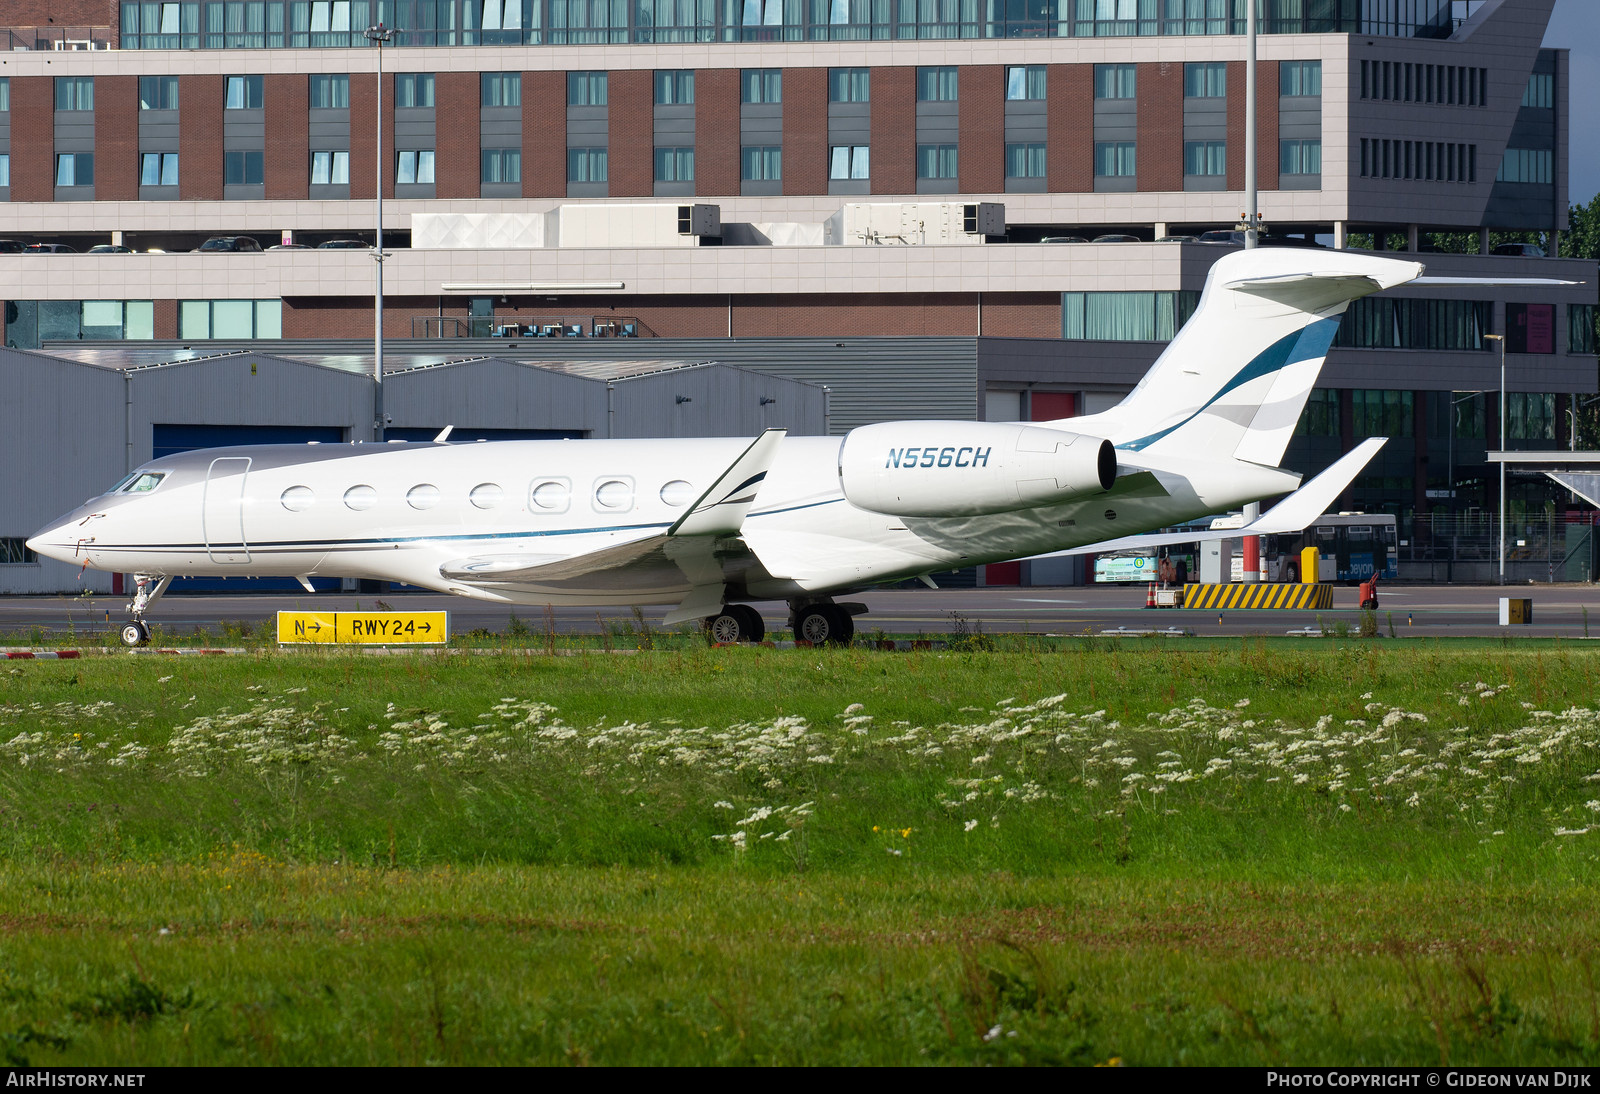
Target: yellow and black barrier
{"type": "Point", "coordinates": [1254, 595]}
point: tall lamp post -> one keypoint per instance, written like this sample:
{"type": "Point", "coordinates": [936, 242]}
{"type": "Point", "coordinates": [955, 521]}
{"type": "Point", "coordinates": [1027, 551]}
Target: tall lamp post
{"type": "Point", "coordinates": [1250, 564]}
{"type": "Point", "coordinates": [378, 36]}
{"type": "Point", "coordinates": [1502, 340]}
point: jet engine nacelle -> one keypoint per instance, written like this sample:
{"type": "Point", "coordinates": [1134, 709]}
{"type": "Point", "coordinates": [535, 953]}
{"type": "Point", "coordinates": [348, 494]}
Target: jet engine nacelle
{"type": "Point", "coordinates": [935, 469]}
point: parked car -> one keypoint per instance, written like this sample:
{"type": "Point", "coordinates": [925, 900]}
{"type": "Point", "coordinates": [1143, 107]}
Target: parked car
{"type": "Point", "coordinates": [1116, 237]}
{"type": "Point", "coordinates": [290, 247]}
{"type": "Point", "coordinates": [229, 243]}
{"type": "Point", "coordinates": [50, 249]}
{"type": "Point", "coordinates": [344, 245]}
{"type": "Point", "coordinates": [1063, 239]}
{"type": "Point", "coordinates": [109, 249]}
{"type": "Point", "coordinates": [1179, 239]}
{"type": "Point", "coordinates": [1519, 250]}
{"type": "Point", "coordinates": [12, 246]}
{"type": "Point", "coordinates": [1222, 235]}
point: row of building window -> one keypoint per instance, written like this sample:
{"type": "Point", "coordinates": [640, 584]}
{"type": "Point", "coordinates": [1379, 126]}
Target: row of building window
{"type": "Point", "coordinates": [1530, 415]}
{"type": "Point", "coordinates": [1406, 81]}
{"type": "Point", "coordinates": [1112, 159]}
{"type": "Point", "coordinates": [1434, 161]}
{"type": "Point", "coordinates": [1540, 92]}
{"type": "Point", "coordinates": [1369, 323]}
{"type": "Point", "coordinates": [278, 24]}
{"type": "Point", "coordinates": [675, 87]}
{"type": "Point", "coordinates": [1527, 165]}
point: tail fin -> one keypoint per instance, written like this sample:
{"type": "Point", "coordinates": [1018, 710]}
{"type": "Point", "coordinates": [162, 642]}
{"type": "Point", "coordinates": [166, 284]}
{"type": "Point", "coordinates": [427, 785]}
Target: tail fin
{"type": "Point", "coordinates": [1235, 379]}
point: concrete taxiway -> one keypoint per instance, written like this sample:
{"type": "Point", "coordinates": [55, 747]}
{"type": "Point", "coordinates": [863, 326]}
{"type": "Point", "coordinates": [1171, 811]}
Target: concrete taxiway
{"type": "Point", "coordinates": [1571, 611]}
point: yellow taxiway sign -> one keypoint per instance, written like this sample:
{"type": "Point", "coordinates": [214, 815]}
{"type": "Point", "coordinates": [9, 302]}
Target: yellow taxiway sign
{"type": "Point", "coordinates": [365, 628]}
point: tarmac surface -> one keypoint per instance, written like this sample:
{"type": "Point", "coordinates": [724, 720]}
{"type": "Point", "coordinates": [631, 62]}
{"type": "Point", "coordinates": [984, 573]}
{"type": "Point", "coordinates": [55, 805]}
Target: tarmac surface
{"type": "Point", "coordinates": [1433, 611]}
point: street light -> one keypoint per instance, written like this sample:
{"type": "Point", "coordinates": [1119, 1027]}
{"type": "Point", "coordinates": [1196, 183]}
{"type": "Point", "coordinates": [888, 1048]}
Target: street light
{"type": "Point", "coordinates": [1502, 340]}
{"type": "Point", "coordinates": [378, 36]}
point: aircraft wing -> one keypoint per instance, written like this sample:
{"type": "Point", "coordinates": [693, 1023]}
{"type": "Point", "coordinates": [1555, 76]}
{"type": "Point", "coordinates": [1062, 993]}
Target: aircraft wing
{"type": "Point", "coordinates": [685, 556]}
{"type": "Point", "coordinates": [1292, 514]}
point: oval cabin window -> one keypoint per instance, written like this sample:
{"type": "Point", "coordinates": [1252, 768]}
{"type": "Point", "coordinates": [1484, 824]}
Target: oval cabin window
{"type": "Point", "coordinates": [360, 497]}
{"type": "Point", "coordinates": [552, 496]}
{"type": "Point", "coordinates": [486, 495]}
{"type": "Point", "coordinates": [423, 496]}
{"type": "Point", "coordinates": [297, 499]}
{"type": "Point", "coordinates": [614, 494]}
{"type": "Point", "coordinates": [677, 492]}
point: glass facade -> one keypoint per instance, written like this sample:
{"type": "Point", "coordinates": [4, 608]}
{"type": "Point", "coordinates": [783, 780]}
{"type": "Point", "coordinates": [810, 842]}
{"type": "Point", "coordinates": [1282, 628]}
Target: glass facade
{"type": "Point", "coordinates": [1125, 316]}
{"type": "Point", "coordinates": [312, 24]}
{"type": "Point", "coordinates": [1376, 322]}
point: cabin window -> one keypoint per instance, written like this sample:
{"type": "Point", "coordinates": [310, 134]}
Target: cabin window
{"type": "Point", "coordinates": [423, 496]}
{"type": "Point", "coordinates": [551, 495]}
{"type": "Point", "coordinates": [297, 499]}
{"type": "Point", "coordinates": [360, 498]}
{"type": "Point", "coordinates": [144, 482]}
{"type": "Point", "coordinates": [614, 494]}
{"type": "Point", "coordinates": [677, 492]}
{"type": "Point", "coordinates": [487, 495]}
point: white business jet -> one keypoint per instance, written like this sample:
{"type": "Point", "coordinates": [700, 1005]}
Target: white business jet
{"type": "Point", "coordinates": [707, 526]}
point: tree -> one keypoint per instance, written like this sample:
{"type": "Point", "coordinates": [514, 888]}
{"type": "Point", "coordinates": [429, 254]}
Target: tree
{"type": "Point", "coordinates": [1583, 241]}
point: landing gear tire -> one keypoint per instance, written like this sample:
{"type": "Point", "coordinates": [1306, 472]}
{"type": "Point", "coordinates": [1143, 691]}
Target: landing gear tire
{"type": "Point", "coordinates": [824, 624]}
{"type": "Point", "coordinates": [135, 633]}
{"type": "Point", "coordinates": [736, 623]}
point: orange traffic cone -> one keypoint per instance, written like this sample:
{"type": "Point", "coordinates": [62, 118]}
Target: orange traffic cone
{"type": "Point", "coordinates": [1150, 596]}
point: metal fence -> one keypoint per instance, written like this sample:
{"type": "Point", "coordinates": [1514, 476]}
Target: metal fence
{"type": "Point", "coordinates": [1539, 548]}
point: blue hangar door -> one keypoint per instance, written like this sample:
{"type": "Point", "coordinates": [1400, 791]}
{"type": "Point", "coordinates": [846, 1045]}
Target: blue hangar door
{"type": "Point", "coordinates": [168, 440]}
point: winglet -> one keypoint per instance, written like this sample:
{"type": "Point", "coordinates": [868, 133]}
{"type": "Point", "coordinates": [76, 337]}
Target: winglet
{"type": "Point", "coordinates": [1312, 500]}
{"type": "Point", "coordinates": [444, 435]}
{"type": "Point", "coordinates": [722, 508]}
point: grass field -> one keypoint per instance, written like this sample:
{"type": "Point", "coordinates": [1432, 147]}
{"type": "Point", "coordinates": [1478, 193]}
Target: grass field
{"type": "Point", "coordinates": [1247, 852]}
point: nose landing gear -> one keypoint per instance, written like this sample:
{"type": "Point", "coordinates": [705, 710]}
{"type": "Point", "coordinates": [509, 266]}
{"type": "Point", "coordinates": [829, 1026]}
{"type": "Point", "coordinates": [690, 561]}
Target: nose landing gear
{"type": "Point", "coordinates": [147, 590]}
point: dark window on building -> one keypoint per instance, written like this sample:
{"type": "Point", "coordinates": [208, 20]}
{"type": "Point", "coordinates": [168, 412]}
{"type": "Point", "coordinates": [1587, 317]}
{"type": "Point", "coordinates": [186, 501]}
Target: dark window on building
{"type": "Point", "coordinates": [849, 85]}
{"type": "Point", "coordinates": [330, 92]}
{"type": "Point", "coordinates": [1381, 413]}
{"type": "Point", "coordinates": [936, 84]}
{"type": "Point", "coordinates": [243, 168]}
{"type": "Point", "coordinates": [586, 165]}
{"type": "Point", "coordinates": [1205, 157]}
{"type": "Point", "coordinates": [760, 164]}
{"type": "Point", "coordinates": [501, 165]}
{"type": "Point", "coordinates": [936, 161]}
{"type": "Point", "coordinates": [244, 93]}
{"type": "Point", "coordinates": [1205, 80]}
{"type": "Point", "coordinates": [1025, 82]}
{"type": "Point", "coordinates": [1580, 328]}
{"type": "Point", "coordinates": [74, 92]}
{"type": "Point", "coordinates": [1300, 78]}
{"type": "Point", "coordinates": [675, 87]}
{"type": "Point", "coordinates": [761, 85]}
{"type": "Point", "coordinates": [586, 88]}
{"type": "Point", "coordinates": [75, 169]}
{"type": "Point", "coordinates": [413, 89]}
{"type": "Point", "coordinates": [500, 89]}
{"type": "Point", "coordinates": [158, 169]}
{"type": "Point", "coordinates": [1025, 161]}
{"type": "Point", "coordinates": [674, 164]}
{"type": "Point", "coordinates": [1115, 81]}
{"type": "Point", "coordinates": [158, 93]}
{"type": "Point", "coordinates": [1380, 323]}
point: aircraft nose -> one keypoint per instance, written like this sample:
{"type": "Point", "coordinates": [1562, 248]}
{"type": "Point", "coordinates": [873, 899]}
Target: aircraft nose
{"type": "Point", "coordinates": [52, 542]}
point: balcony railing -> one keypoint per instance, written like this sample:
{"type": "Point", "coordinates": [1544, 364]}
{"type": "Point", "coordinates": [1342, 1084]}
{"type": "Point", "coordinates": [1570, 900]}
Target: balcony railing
{"type": "Point", "coordinates": [55, 38]}
{"type": "Point", "coordinates": [529, 326]}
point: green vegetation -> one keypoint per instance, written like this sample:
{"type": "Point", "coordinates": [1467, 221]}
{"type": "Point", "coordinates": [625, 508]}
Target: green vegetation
{"type": "Point", "coordinates": [1243, 852]}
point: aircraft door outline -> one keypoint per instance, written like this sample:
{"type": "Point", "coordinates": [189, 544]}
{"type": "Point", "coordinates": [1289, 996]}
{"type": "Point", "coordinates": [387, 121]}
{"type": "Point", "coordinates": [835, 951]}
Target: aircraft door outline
{"type": "Point", "coordinates": [222, 511]}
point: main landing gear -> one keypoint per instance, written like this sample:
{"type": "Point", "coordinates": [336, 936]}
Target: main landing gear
{"type": "Point", "coordinates": [735, 623]}
{"type": "Point", "coordinates": [147, 590]}
{"type": "Point", "coordinates": [819, 622]}
{"type": "Point", "coordinates": [822, 622]}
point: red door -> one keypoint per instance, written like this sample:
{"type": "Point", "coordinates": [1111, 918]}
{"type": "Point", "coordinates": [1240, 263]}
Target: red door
{"type": "Point", "coordinates": [1003, 573]}
{"type": "Point", "coordinates": [1047, 406]}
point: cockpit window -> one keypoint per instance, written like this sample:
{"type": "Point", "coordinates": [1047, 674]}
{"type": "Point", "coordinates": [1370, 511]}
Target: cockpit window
{"type": "Point", "coordinates": [142, 482]}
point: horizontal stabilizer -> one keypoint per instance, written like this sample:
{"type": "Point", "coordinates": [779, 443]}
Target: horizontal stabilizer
{"type": "Point", "coordinates": [722, 508]}
{"type": "Point", "coordinates": [1292, 514]}
{"type": "Point", "coordinates": [1493, 281]}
